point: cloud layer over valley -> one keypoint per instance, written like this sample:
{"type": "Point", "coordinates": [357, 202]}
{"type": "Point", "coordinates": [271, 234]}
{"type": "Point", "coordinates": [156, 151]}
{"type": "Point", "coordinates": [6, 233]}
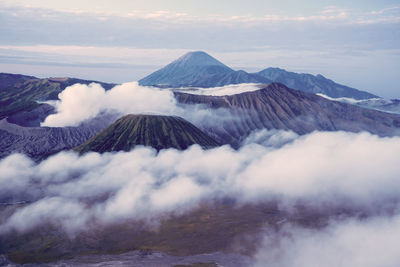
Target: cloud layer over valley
{"type": "Point", "coordinates": [359, 243]}
{"type": "Point", "coordinates": [322, 169]}
{"type": "Point", "coordinates": [278, 168]}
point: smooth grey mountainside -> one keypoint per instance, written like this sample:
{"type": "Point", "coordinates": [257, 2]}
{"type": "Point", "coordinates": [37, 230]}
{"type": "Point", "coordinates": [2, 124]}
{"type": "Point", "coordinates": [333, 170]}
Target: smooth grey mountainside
{"type": "Point", "coordinates": [279, 107]}
{"type": "Point", "coordinates": [198, 69]}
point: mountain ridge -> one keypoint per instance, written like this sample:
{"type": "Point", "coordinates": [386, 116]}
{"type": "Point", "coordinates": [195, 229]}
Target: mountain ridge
{"type": "Point", "coordinates": [278, 107]}
{"type": "Point", "coordinates": [21, 92]}
{"type": "Point", "coordinates": [313, 84]}
{"type": "Point", "coordinates": [198, 69]}
{"type": "Point", "coordinates": [41, 142]}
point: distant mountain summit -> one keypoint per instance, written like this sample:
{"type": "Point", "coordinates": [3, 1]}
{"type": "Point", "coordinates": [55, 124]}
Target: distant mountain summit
{"type": "Point", "coordinates": [198, 58]}
{"type": "Point", "coordinates": [159, 132]}
{"type": "Point", "coordinates": [187, 70]}
{"type": "Point", "coordinates": [198, 69]}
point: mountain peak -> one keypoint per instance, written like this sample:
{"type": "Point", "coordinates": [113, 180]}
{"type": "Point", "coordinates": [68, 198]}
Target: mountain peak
{"type": "Point", "coordinates": [188, 70]}
{"type": "Point", "coordinates": [157, 131]}
{"type": "Point", "coordinates": [198, 58]}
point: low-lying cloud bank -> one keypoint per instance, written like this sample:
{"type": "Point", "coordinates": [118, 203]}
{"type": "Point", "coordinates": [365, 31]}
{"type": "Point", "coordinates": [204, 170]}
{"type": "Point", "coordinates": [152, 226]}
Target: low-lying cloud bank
{"type": "Point", "coordinates": [391, 106]}
{"type": "Point", "coordinates": [358, 243]}
{"type": "Point", "coordinates": [230, 89]}
{"type": "Point", "coordinates": [321, 169]}
{"type": "Point", "coordinates": [80, 102]}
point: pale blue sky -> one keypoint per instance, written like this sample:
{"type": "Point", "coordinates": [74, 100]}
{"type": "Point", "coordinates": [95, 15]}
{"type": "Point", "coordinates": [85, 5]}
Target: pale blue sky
{"type": "Point", "coordinates": [207, 7]}
{"type": "Point", "coordinates": [356, 43]}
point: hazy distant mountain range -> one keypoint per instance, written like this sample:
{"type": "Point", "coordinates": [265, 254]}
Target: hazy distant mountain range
{"type": "Point", "coordinates": [198, 69]}
{"type": "Point", "coordinates": [273, 106]}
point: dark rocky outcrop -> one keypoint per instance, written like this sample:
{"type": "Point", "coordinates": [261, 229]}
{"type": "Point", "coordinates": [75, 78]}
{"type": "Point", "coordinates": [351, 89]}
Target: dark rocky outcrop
{"type": "Point", "coordinates": [156, 131]}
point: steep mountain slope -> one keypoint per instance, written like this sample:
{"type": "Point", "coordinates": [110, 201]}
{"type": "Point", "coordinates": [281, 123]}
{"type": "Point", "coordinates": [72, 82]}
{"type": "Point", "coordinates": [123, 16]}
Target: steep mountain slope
{"type": "Point", "coordinates": [32, 117]}
{"type": "Point", "coordinates": [313, 84]}
{"type": "Point", "coordinates": [20, 93]}
{"type": "Point", "coordinates": [156, 131]}
{"type": "Point", "coordinates": [40, 142]}
{"type": "Point", "coordinates": [391, 106]}
{"type": "Point", "coordinates": [198, 69]}
{"type": "Point", "coordinates": [278, 107]}
{"type": "Point", "coordinates": [8, 79]}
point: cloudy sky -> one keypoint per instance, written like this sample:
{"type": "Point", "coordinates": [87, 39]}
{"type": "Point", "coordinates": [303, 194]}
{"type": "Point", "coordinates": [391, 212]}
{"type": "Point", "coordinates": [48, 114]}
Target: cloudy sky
{"type": "Point", "coordinates": [356, 43]}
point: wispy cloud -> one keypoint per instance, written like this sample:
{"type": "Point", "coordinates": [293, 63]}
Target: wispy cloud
{"type": "Point", "coordinates": [315, 42]}
{"type": "Point", "coordinates": [355, 171]}
{"type": "Point", "coordinates": [328, 13]}
{"type": "Point", "coordinates": [357, 243]}
{"type": "Point", "coordinates": [385, 10]}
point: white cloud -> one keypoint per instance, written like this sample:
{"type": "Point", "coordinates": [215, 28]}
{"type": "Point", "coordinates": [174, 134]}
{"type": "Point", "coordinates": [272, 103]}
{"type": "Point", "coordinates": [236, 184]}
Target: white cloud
{"type": "Point", "coordinates": [80, 102]}
{"type": "Point", "coordinates": [83, 102]}
{"type": "Point", "coordinates": [313, 166]}
{"type": "Point", "coordinates": [270, 138]}
{"type": "Point", "coordinates": [76, 104]}
{"type": "Point", "coordinates": [357, 243]}
{"type": "Point", "coordinates": [310, 43]}
{"type": "Point", "coordinates": [231, 89]}
{"type": "Point", "coordinates": [381, 104]}
{"type": "Point", "coordinates": [330, 13]}
{"type": "Point", "coordinates": [323, 170]}
{"type": "Point", "coordinates": [384, 10]}
{"type": "Point", "coordinates": [96, 54]}
{"type": "Point", "coordinates": [68, 214]}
